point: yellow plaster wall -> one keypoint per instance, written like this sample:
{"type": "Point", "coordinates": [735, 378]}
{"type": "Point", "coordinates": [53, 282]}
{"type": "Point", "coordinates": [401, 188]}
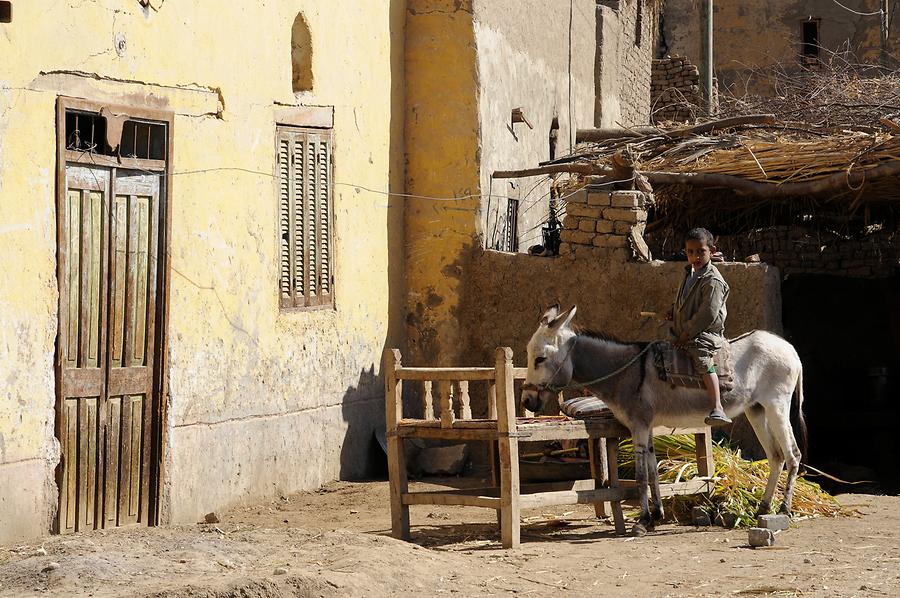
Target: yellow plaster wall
{"type": "Point", "coordinates": [261, 401]}
{"type": "Point", "coordinates": [443, 157]}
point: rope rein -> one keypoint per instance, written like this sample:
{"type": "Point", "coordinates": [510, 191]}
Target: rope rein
{"type": "Point", "coordinates": [612, 374]}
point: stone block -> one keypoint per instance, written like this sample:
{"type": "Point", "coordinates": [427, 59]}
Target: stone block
{"type": "Point", "coordinates": [570, 222]}
{"type": "Point", "coordinates": [627, 215]}
{"type": "Point", "coordinates": [774, 522]}
{"type": "Point", "coordinates": [579, 196]}
{"type": "Point", "coordinates": [700, 517]}
{"type": "Point", "coordinates": [758, 536]}
{"type": "Point", "coordinates": [605, 226]}
{"type": "Point", "coordinates": [620, 227]}
{"type": "Point", "coordinates": [584, 211]}
{"type": "Point", "coordinates": [576, 237]}
{"type": "Point", "coordinates": [627, 199]}
{"type": "Point", "coordinates": [598, 198]}
{"type": "Point", "coordinates": [565, 249]}
{"type": "Point", "coordinates": [587, 225]}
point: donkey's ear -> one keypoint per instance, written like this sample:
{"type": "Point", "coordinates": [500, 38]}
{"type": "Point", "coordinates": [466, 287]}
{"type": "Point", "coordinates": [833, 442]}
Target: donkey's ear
{"type": "Point", "coordinates": [551, 314]}
{"type": "Point", "coordinates": [563, 319]}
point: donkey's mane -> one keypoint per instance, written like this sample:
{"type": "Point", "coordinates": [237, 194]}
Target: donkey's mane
{"type": "Point", "coordinates": [603, 336]}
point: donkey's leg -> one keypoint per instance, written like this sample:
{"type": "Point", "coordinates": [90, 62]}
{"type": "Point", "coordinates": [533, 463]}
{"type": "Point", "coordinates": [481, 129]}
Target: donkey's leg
{"type": "Point", "coordinates": [780, 427]}
{"type": "Point", "coordinates": [640, 436]}
{"type": "Point", "coordinates": [653, 476]}
{"type": "Point", "coordinates": [756, 414]}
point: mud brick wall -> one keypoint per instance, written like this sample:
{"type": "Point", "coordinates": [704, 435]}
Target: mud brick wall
{"type": "Point", "coordinates": [675, 93]}
{"type": "Point", "coordinates": [798, 251]}
{"type": "Point", "coordinates": [604, 225]}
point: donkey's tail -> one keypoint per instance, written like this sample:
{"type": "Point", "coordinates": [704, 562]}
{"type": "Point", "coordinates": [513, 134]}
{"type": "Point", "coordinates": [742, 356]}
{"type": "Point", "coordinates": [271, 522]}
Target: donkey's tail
{"type": "Point", "coordinates": [797, 420]}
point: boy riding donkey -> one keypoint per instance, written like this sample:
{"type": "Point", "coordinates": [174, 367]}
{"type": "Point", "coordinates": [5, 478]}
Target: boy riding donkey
{"type": "Point", "coordinates": [698, 316]}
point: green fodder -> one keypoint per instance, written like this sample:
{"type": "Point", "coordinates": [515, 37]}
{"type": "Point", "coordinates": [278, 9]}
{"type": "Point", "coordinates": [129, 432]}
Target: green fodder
{"type": "Point", "coordinates": [738, 489]}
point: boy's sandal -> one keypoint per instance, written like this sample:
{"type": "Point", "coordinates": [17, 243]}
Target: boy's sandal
{"type": "Point", "coordinates": [717, 418]}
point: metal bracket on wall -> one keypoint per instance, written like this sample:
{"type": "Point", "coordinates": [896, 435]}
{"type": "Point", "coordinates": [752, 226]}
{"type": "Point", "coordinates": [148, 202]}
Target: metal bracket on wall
{"type": "Point", "coordinates": [519, 117]}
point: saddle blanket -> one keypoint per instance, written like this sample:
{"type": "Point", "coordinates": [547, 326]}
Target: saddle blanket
{"type": "Point", "coordinates": [676, 367]}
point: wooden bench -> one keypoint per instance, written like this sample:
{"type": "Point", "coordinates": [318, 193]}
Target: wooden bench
{"type": "Point", "coordinates": [502, 430]}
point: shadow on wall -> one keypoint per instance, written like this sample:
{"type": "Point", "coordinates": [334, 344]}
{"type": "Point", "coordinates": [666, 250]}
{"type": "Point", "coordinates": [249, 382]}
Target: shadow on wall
{"type": "Point", "coordinates": [363, 404]}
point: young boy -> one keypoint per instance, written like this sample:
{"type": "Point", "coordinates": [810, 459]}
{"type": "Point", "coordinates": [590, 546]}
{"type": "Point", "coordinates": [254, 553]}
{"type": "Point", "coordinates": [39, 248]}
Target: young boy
{"type": "Point", "coordinates": [699, 316]}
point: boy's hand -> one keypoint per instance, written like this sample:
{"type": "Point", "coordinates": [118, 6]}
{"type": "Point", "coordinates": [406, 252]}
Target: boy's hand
{"type": "Point", "coordinates": [670, 315]}
{"type": "Point", "coordinates": [682, 340]}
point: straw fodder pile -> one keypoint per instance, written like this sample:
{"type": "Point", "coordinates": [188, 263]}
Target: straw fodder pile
{"type": "Point", "coordinates": [739, 489]}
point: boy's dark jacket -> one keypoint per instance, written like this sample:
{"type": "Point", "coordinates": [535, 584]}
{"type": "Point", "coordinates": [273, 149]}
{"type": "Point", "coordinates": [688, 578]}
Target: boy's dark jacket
{"type": "Point", "coordinates": [702, 312]}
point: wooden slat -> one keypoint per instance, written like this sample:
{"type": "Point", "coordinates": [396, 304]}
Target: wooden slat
{"type": "Point", "coordinates": [465, 404]}
{"type": "Point", "coordinates": [450, 498]}
{"type": "Point", "coordinates": [297, 189]}
{"type": "Point", "coordinates": [599, 470]}
{"type": "Point", "coordinates": [142, 275]}
{"type": "Point", "coordinates": [130, 277]}
{"type": "Point", "coordinates": [118, 274]}
{"type": "Point", "coordinates": [576, 497]}
{"type": "Point", "coordinates": [100, 160]}
{"type": "Point", "coordinates": [508, 448]}
{"type": "Point", "coordinates": [520, 373]}
{"type": "Point", "coordinates": [445, 392]}
{"type": "Point", "coordinates": [112, 431]}
{"type": "Point", "coordinates": [71, 244]}
{"type": "Point", "coordinates": [312, 240]}
{"type": "Point", "coordinates": [70, 466]}
{"type": "Point", "coordinates": [456, 433]}
{"type": "Point", "coordinates": [87, 463]}
{"type": "Point", "coordinates": [428, 399]}
{"type": "Point", "coordinates": [393, 405]}
{"type": "Point", "coordinates": [706, 465]}
{"type": "Point", "coordinates": [445, 374]}
{"type": "Point", "coordinates": [134, 470]}
{"type": "Point", "coordinates": [612, 456]}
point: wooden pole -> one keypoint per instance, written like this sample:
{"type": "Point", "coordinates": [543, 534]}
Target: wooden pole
{"type": "Point", "coordinates": [393, 411]}
{"type": "Point", "coordinates": [509, 449]}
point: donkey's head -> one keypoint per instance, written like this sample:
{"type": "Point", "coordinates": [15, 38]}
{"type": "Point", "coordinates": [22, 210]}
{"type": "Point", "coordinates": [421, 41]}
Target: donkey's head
{"type": "Point", "coordinates": [549, 360]}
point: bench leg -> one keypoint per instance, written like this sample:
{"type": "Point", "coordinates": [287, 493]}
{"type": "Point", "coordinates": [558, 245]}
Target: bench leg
{"type": "Point", "coordinates": [706, 466]}
{"type": "Point", "coordinates": [599, 471]}
{"type": "Point", "coordinates": [399, 486]}
{"type": "Point", "coordinates": [509, 492]}
{"type": "Point", "coordinates": [612, 460]}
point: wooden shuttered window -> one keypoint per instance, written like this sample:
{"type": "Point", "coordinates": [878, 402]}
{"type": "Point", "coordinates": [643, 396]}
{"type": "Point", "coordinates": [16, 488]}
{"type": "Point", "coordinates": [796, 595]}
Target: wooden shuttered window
{"type": "Point", "coordinates": [305, 213]}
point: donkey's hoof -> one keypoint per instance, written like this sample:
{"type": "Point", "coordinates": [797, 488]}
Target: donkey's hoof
{"type": "Point", "coordinates": [639, 530]}
{"type": "Point", "coordinates": [659, 514]}
{"type": "Point", "coordinates": [785, 510]}
{"type": "Point", "coordinates": [764, 509]}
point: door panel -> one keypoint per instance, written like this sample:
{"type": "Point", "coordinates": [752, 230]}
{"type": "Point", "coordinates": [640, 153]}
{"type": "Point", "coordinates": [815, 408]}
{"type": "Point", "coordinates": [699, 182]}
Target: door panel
{"type": "Point", "coordinates": [108, 280]}
{"type": "Point", "coordinates": [83, 265]}
{"type": "Point", "coordinates": [133, 291]}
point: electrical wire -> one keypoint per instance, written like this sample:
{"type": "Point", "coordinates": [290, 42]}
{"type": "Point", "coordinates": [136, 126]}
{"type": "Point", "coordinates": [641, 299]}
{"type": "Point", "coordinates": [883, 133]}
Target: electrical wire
{"type": "Point", "coordinates": [856, 12]}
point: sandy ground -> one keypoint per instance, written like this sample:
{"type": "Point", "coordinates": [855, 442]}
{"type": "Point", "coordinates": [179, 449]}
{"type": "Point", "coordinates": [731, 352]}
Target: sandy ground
{"type": "Point", "coordinates": [335, 542]}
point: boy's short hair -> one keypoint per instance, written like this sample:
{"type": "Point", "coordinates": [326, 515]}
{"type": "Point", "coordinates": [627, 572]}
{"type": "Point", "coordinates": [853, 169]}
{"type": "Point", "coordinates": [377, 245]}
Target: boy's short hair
{"type": "Point", "coordinates": [702, 235]}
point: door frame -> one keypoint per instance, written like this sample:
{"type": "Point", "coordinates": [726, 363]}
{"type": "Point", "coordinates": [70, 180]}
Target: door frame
{"type": "Point", "coordinates": [160, 396]}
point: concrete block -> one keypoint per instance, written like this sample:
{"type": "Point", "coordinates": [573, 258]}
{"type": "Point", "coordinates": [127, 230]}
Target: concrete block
{"type": "Point", "coordinates": [700, 517]}
{"type": "Point", "coordinates": [774, 522]}
{"type": "Point", "coordinates": [758, 536]}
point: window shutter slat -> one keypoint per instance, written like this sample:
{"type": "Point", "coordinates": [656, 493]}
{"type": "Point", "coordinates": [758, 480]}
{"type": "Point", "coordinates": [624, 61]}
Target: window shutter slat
{"type": "Point", "coordinates": [297, 221]}
{"type": "Point", "coordinates": [324, 217]}
{"type": "Point", "coordinates": [312, 240]}
{"type": "Point", "coordinates": [284, 214]}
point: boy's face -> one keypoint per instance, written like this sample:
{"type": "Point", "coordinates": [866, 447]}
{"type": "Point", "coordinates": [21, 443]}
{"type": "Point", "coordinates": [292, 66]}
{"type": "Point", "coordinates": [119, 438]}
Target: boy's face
{"type": "Point", "coordinates": [698, 253]}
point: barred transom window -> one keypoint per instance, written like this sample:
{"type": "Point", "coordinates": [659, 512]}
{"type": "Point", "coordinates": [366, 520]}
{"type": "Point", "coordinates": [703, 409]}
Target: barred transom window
{"type": "Point", "coordinates": [304, 173]}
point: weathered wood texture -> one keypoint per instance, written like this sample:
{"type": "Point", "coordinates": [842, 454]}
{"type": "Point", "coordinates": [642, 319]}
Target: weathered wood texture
{"type": "Point", "coordinates": [503, 430]}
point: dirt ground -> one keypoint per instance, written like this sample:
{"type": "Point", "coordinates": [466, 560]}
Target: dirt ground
{"type": "Point", "coordinates": [335, 542]}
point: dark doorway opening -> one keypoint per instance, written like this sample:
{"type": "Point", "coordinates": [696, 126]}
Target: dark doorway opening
{"type": "Point", "coordinates": [847, 332]}
{"type": "Point", "coordinates": [809, 47]}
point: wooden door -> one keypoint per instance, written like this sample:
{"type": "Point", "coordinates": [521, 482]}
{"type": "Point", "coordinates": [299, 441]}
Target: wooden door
{"type": "Point", "coordinates": [109, 238]}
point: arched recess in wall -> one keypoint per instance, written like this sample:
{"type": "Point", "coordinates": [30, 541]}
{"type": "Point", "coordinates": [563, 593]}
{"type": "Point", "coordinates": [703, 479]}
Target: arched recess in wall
{"type": "Point", "coordinates": [301, 55]}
